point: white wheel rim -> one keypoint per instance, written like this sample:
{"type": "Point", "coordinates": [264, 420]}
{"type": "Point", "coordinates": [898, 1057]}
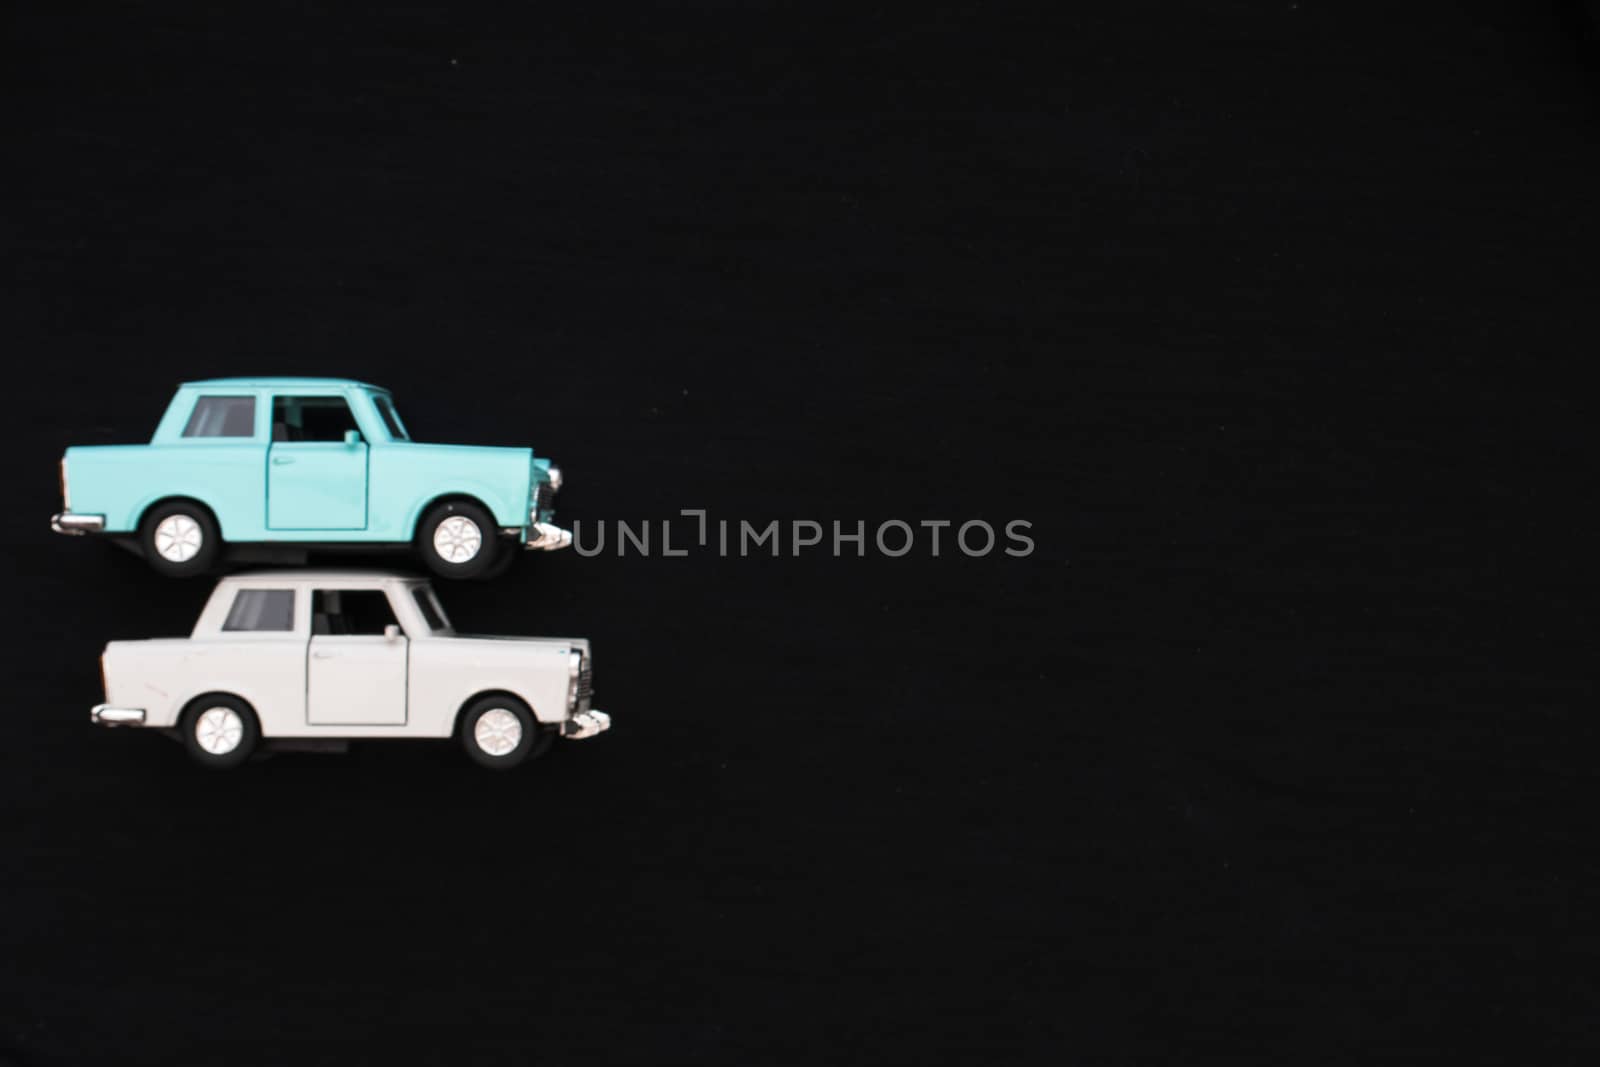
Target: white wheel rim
{"type": "Point", "coordinates": [219, 730]}
{"type": "Point", "coordinates": [457, 539]}
{"type": "Point", "coordinates": [178, 538]}
{"type": "Point", "coordinates": [497, 732]}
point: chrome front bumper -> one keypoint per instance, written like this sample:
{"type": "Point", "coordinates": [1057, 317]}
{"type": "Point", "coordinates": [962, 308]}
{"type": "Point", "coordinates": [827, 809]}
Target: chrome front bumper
{"type": "Point", "coordinates": [585, 724]}
{"type": "Point", "coordinates": [106, 715]}
{"type": "Point", "coordinates": [547, 538]}
{"type": "Point", "coordinates": [66, 522]}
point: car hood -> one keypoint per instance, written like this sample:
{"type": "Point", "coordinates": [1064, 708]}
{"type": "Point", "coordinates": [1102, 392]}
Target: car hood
{"type": "Point", "coordinates": [504, 453]}
{"type": "Point", "coordinates": [509, 639]}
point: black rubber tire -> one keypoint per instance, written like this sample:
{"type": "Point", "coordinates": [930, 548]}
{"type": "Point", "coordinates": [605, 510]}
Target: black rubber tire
{"type": "Point", "coordinates": [506, 553]}
{"type": "Point", "coordinates": [536, 737]}
{"type": "Point", "coordinates": [210, 539]}
{"type": "Point", "coordinates": [478, 565]}
{"type": "Point", "coordinates": [544, 740]}
{"type": "Point", "coordinates": [250, 738]}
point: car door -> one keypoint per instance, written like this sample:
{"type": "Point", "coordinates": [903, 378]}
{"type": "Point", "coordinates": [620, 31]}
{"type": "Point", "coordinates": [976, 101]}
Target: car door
{"type": "Point", "coordinates": [356, 660]}
{"type": "Point", "coordinates": [316, 466]}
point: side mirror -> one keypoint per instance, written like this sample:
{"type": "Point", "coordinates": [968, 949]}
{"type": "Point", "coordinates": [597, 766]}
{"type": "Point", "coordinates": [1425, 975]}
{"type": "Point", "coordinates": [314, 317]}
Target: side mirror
{"type": "Point", "coordinates": [352, 437]}
{"type": "Point", "coordinates": [391, 633]}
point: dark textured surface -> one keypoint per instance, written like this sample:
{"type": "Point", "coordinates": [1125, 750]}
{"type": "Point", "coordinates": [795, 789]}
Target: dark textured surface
{"type": "Point", "coordinates": [1270, 318]}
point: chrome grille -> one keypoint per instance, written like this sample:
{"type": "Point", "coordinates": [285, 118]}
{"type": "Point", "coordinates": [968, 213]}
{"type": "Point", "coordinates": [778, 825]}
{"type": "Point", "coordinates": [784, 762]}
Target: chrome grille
{"type": "Point", "coordinates": [545, 498]}
{"type": "Point", "coordinates": [585, 681]}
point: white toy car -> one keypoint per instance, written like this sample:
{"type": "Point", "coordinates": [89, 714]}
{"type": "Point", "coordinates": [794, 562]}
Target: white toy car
{"type": "Point", "coordinates": [310, 657]}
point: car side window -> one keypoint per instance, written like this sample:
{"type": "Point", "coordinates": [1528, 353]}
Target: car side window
{"type": "Point", "coordinates": [256, 610]}
{"type": "Point", "coordinates": [222, 416]}
{"type": "Point", "coordinates": [311, 418]}
{"type": "Point", "coordinates": [350, 612]}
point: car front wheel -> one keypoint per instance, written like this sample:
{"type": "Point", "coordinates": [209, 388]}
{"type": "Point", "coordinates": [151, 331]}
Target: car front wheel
{"type": "Point", "coordinates": [501, 732]}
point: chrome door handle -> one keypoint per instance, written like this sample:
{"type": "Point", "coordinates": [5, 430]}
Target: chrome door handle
{"type": "Point", "coordinates": [279, 461]}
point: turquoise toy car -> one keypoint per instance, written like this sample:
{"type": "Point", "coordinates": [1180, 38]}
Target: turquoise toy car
{"type": "Point", "coordinates": [251, 467]}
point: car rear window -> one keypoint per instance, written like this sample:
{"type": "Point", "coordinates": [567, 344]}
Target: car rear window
{"type": "Point", "coordinates": [222, 416]}
{"type": "Point", "coordinates": [261, 609]}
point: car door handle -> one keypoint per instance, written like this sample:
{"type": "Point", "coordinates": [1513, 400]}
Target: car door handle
{"type": "Point", "coordinates": [324, 655]}
{"type": "Point", "coordinates": [279, 461]}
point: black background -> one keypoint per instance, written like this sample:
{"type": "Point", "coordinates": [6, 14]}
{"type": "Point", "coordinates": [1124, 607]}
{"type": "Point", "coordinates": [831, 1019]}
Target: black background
{"type": "Point", "coordinates": [1270, 317]}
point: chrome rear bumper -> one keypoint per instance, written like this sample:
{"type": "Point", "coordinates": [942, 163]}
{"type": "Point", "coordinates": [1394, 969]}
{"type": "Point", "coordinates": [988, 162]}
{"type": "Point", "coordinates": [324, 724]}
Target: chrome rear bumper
{"type": "Point", "coordinates": [106, 715]}
{"type": "Point", "coordinates": [547, 538]}
{"type": "Point", "coordinates": [585, 724]}
{"type": "Point", "coordinates": [67, 522]}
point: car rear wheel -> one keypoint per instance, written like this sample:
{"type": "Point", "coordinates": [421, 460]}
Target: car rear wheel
{"type": "Point", "coordinates": [220, 731]}
{"type": "Point", "coordinates": [458, 539]}
{"type": "Point", "coordinates": [501, 732]}
{"type": "Point", "coordinates": [180, 539]}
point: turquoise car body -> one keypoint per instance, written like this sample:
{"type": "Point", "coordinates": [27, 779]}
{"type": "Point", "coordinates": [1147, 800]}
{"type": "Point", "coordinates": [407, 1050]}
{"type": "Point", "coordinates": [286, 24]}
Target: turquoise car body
{"type": "Point", "coordinates": [371, 487]}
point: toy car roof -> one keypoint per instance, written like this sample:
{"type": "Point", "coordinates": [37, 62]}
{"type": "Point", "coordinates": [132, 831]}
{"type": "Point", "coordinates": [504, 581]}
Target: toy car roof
{"type": "Point", "coordinates": [283, 383]}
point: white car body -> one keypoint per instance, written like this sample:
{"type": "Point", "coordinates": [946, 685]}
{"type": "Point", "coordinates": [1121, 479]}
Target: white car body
{"type": "Point", "coordinates": [413, 681]}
